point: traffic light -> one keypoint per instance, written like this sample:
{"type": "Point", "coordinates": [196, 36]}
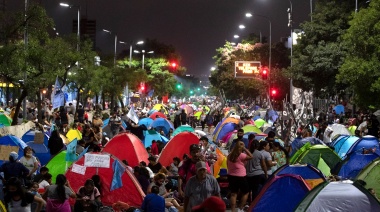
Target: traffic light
{"type": "Point", "coordinates": [264, 73]}
{"type": "Point", "coordinates": [273, 92]}
{"type": "Point", "coordinates": [191, 92]}
{"type": "Point", "coordinates": [173, 65]}
{"type": "Point", "coordinates": [179, 86]}
{"type": "Point", "coordinates": [142, 86]}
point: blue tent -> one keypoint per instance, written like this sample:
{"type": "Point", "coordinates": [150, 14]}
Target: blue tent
{"type": "Point", "coordinates": [336, 138]}
{"type": "Point", "coordinates": [42, 151]}
{"type": "Point", "coordinates": [274, 196]}
{"type": "Point", "coordinates": [162, 124]}
{"type": "Point", "coordinates": [342, 145]}
{"type": "Point", "coordinates": [306, 171]}
{"type": "Point", "coordinates": [151, 135]}
{"type": "Point", "coordinates": [11, 140]}
{"type": "Point", "coordinates": [366, 142]}
{"type": "Point", "coordinates": [226, 128]}
{"type": "Point", "coordinates": [217, 127]}
{"type": "Point", "coordinates": [353, 163]}
{"type": "Point", "coordinates": [145, 121]}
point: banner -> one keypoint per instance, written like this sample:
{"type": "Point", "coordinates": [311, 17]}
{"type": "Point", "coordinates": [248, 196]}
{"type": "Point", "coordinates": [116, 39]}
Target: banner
{"type": "Point", "coordinates": [97, 160]}
{"type": "Point", "coordinates": [132, 115]}
{"type": "Point", "coordinates": [58, 97]}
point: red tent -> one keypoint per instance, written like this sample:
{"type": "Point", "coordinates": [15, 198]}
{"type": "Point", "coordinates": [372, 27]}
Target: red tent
{"type": "Point", "coordinates": [159, 114]}
{"type": "Point", "coordinates": [126, 146]}
{"type": "Point", "coordinates": [177, 147]}
{"type": "Point", "coordinates": [130, 192]}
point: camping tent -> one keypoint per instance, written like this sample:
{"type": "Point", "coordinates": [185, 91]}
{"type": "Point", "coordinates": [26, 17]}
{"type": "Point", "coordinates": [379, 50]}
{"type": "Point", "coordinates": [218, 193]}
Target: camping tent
{"type": "Point", "coordinates": [309, 173]}
{"type": "Point", "coordinates": [274, 196]}
{"type": "Point", "coordinates": [41, 150]}
{"type": "Point", "coordinates": [371, 175]}
{"type": "Point", "coordinates": [74, 134]}
{"type": "Point", "coordinates": [8, 144]}
{"type": "Point", "coordinates": [334, 130]}
{"type": "Point", "coordinates": [58, 165]}
{"type": "Point", "coordinates": [150, 135]}
{"type": "Point", "coordinates": [126, 146]}
{"type": "Point", "coordinates": [183, 128]}
{"type": "Point", "coordinates": [319, 156]}
{"type": "Point", "coordinates": [177, 147]}
{"type": "Point", "coordinates": [366, 142]}
{"type": "Point", "coordinates": [339, 196]}
{"type": "Point", "coordinates": [223, 130]}
{"type": "Point", "coordinates": [342, 145]}
{"type": "Point", "coordinates": [130, 192]}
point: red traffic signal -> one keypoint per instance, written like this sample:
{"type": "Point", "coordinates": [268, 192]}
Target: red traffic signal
{"type": "Point", "coordinates": [264, 73]}
{"type": "Point", "coordinates": [142, 86]}
{"type": "Point", "coordinates": [173, 65]}
{"type": "Point", "coordinates": [273, 92]}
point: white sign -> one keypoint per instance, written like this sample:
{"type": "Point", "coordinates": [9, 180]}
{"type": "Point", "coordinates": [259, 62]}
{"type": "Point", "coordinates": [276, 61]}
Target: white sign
{"type": "Point", "coordinates": [96, 160]}
{"type": "Point", "coordinates": [78, 169]}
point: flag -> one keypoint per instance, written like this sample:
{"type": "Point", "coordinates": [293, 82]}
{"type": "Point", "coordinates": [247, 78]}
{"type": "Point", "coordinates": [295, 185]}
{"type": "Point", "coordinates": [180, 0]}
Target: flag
{"type": "Point", "coordinates": [58, 97]}
{"type": "Point", "coordinates": [133, 116]}
{"type": "Point", "coordinates": [118, 171]}
{"type": "Point", "coordinates": [71, 150]}
{"type": "Point", "coordinates": [123, 124]}
{"type": "Point", "coordinates": [84, 152]}
{"type": "Point", "coordinates": [105, 123]}
{"type": "Point", "coordinates": [150, 93]}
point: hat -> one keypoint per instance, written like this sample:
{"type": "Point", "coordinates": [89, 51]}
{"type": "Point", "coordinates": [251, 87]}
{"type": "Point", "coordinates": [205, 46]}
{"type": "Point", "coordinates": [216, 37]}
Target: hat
{"type": "Point", "coordinates": [213, 202]}
{"type": "Point", "coordinates": [203, 138]}
{"type": "Point", "coordinates": [152, 158]}
{"type": "Point", "coordinates": [14, 155]}
{"type": "Point", "coordinates": [194, 147]}
{"type": "Point", "coordinates": [200, 165]}
{"type": "Point", "coordinates": [223, 172]}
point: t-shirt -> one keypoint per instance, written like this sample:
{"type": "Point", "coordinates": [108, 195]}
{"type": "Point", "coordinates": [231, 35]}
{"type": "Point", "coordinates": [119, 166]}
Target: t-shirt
{"type": "Point", "coordinates": [153, 203]}
{"type": "Point", "coordinates": [92, 196]}
{"type": "Point", "coordinates": [267, 157]}
{"type": "Point", "coordinates": [13, 169]}
{"type": "Point", "coordinates": [237, 168]}
{"type": "Point", "coordinates": [28, 163]}
{"type": "Point", "coordinates": [15, 206]}
{"type": "Point", "coordinates": [52, 192]}
{"type": "Point", "coordinates": [188, 170]}
{"type": "Point", "coordinates": [253, 166]}
{"type": "Point", "coordinates": [155, 168]}
{"type": "Point", "coordinates": [162, 189]}
{"type": "Point", "coordinates": [43, 184]}
{"type": "Point", "coordinates": [197, 191]}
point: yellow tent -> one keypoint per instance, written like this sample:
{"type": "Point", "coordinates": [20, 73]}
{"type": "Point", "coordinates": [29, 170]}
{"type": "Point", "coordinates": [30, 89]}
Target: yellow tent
{"type": "Point", "coordinates": [221, 163]}
{"type": "Point", "coordinates": [158, 108]}
{"type": "Point", "coordinates": [74, 134]}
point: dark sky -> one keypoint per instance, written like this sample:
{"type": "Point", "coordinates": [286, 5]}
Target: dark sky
{"type": "Point", "coordinates": [194, 27]}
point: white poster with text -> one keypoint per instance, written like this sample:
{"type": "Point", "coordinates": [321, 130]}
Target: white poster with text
{"type": "Point", "coordinates": [97, 160]}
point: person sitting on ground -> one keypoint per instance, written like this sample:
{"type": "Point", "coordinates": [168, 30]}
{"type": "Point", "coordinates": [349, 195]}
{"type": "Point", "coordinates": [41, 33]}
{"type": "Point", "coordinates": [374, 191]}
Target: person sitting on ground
{"type": "Point", "coordinates": [30, 162]}
{"type": "Point", "coordinates": [97, 183]}
{"type": "Point", "coordinates": [143, 164]}
{"type": "Point", "coordinates": [154, 165]}
{"type": "Point", "coordinates": [153, 202]}
{"type": "Point", "coordinates": [46, 181]}
{"type": "Point", "coordinates": [159, 180]}
{"type": "Point", "coordinates": [88, 197]}
{"type": "Point", "coordinates": [174, 166]}
{"type": "Point", "coordinates": [39, 177]}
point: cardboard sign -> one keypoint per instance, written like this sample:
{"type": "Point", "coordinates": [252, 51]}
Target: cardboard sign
{"type": "Point", "coordinates": [6, 150]}
{"type": "Point", "coordinates": [78, 169]}
{"type": "Point", "coordinates": [96, 160]}
{"type": "Point", "coordinates": [39, 137]}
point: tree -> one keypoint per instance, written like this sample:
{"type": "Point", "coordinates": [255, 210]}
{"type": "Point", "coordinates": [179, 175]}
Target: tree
{"type": "Point", "coordinates": [360, 69]}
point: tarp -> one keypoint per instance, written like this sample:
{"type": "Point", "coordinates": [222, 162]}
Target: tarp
{"type": "Point", "coordinates": [371, 175]}
{"type": "Point", "coordinates": [339, 196]}
{"type": "Point", "coordinates": [274, 196]}
{"type": "Point", "coordinates": [350, 167]}
{"type": "Point", "coordinates": [366, 142]}
{"type": "Point", "coordinates": [177, 147]}
{"type": "Point", "coordinates": [11, 140]}
{"type": "Point", "coordinates": [342, 145]}
{"type": "Point", "coordinates": [157, 107]}
{"type": "Point", "coordinates": [57, 165]}
{"type": "Point", "coordinates": [309, 173]}
{"type": "Point", "coordinates": [319, 156]}
{"type": "Point", "coordinates": [260, 122]}
{"type": "Point", "coordinates": [126, 146]}
{"type": "Point", "coordinates": [183, 128]}
{"type": "Point", "coordinates": [130, 193]}
{"type": "Point", "coordinates": [336, 130]}
{"type": "Point", "coordinates": [41, 151]}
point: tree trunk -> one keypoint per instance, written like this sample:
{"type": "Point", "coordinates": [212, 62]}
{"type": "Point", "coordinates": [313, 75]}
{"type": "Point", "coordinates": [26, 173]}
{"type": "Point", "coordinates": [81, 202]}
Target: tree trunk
{"type": "Point", "coordinates": [24, 94]}
{"type": "Point", "coordinates": [39, 106]}
{"type": "Point", "coordinates": [78, 100]}
{"type": "Point", "coordinates": [7, 93]}
{"type": "Point", "coordinates": [104, 101]}
{"type": "Point", "coordinates": [96, 99]}
{"type": "Point", "coordinates": [121, 102]}
{"type": "Point", "coordinates": [112, 102]}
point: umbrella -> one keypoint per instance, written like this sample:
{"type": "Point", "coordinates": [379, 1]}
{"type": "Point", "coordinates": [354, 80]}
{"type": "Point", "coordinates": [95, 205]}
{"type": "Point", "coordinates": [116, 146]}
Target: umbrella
{"type": "Point", "coordinates": [145, 121]}
{"type": "Point", "coordinates": [162, 124]}
{"type": "Point", "coordinates": [259, 122]}
{"type": "Point", "coordinates": [5, 120]}
{"type": "Point", "coordinates": [183, 128]}
{"type": "Point", "coordinates": [159, 114]}
{"type": "Point", "coordinates": [188, 109]}
{"type": "Point", "coordinates": [339, 109]}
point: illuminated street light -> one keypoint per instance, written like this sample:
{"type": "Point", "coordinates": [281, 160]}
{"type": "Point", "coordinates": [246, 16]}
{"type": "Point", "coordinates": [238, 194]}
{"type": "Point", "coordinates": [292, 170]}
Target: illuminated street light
{"type": "Point", "coordinates": [78, 29]}
{"type": "Point", "coordinates": [241, 26]}
{"type": "Point", "coordinates": [213, 69]}
{"type": "Point", "coordinates": [236, 36]}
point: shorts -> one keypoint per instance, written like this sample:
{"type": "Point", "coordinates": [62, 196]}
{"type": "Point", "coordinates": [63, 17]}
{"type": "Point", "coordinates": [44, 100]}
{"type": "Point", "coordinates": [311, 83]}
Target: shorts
{"type": "Point", "coordinates": [236, 184]}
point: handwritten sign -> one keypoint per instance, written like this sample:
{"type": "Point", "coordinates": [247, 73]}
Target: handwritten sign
{"type": "Point", "coordinates": [97, 160]}
{"type": "Point", "coordinates": [39, 137]}
{"type": "Point", "coordinates": [78, 169]}
{"type": "Point", "coordinates": [247, 69]}
{"type": "Point", "coordinates": [6, 150]}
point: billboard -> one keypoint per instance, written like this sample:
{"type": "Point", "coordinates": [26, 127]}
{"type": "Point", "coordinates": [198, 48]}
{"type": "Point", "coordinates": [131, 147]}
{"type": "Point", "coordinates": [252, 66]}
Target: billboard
{"type": "Point", "coordinates": [247, 69]}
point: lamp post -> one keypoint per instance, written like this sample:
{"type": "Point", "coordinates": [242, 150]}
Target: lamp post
{"type": "Point", "coordinates": [290, 24]}
{"type": "Point", "coordinates": [130, 49]}
{"type": "Point", "coordinates": [143, 55]}
{"type": "Point", "coordinates": [270, 40]}
{"type": "Point", "coordinates": [114, 56]}
{"type": "Point", "coordinates": [241, 26]}
{"type": "Point", "coordinates": [78, 29]}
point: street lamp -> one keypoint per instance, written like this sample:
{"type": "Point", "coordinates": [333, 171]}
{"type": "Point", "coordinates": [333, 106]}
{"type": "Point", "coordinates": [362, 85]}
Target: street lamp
{"type": "Point", "coordinates": [270, 39]}
{"type": "Point", "coordinates": [130, 49]}
{"type": "Point", "coordinates": [114, 57]}
{"type": "Point", "coordinates": [290, 24]}
{"type": "Point", "coordinates": [143, 55]}
{"type": "Point", "coordinates": [243, 27]}
{"type": "Point", "coordinates": [78, 29]}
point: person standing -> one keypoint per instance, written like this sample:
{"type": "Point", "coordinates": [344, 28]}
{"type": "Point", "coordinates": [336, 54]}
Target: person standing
{"type": "Point", "coordinates": [183, 117]}
{"type": "Point", "coordinates": [237, 174]}
{"type": "Point", "coordinates": [13, 168]}
{"type": "Point", "coordinates": [115, 122]}
{"type": "Point", "coordinates": [200, 187]}
{"type": "Point", "coordinates": [55, 143]}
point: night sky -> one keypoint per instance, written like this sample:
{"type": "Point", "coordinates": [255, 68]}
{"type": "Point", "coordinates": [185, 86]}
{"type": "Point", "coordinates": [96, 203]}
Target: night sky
{"type": "Point", "coordinates": [194, 27]}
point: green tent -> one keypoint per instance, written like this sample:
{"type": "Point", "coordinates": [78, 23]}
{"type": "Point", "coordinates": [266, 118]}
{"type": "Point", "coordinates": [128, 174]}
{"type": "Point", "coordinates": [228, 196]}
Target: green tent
{"type": "Point", "coordinates": [251, 128]}
{"type": "Point", "coordinates": [371, 175]}
{"type": "Point", "coordinates": [319, 156]}
{"type": "Point", "coordinates": [5, 120]}
{"type": "Point", "coordinates": [260, 122]}
{"type": "Point", "coordinates": [57, 165]}
{"type": "Point", "coordinates": [183, 128]}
